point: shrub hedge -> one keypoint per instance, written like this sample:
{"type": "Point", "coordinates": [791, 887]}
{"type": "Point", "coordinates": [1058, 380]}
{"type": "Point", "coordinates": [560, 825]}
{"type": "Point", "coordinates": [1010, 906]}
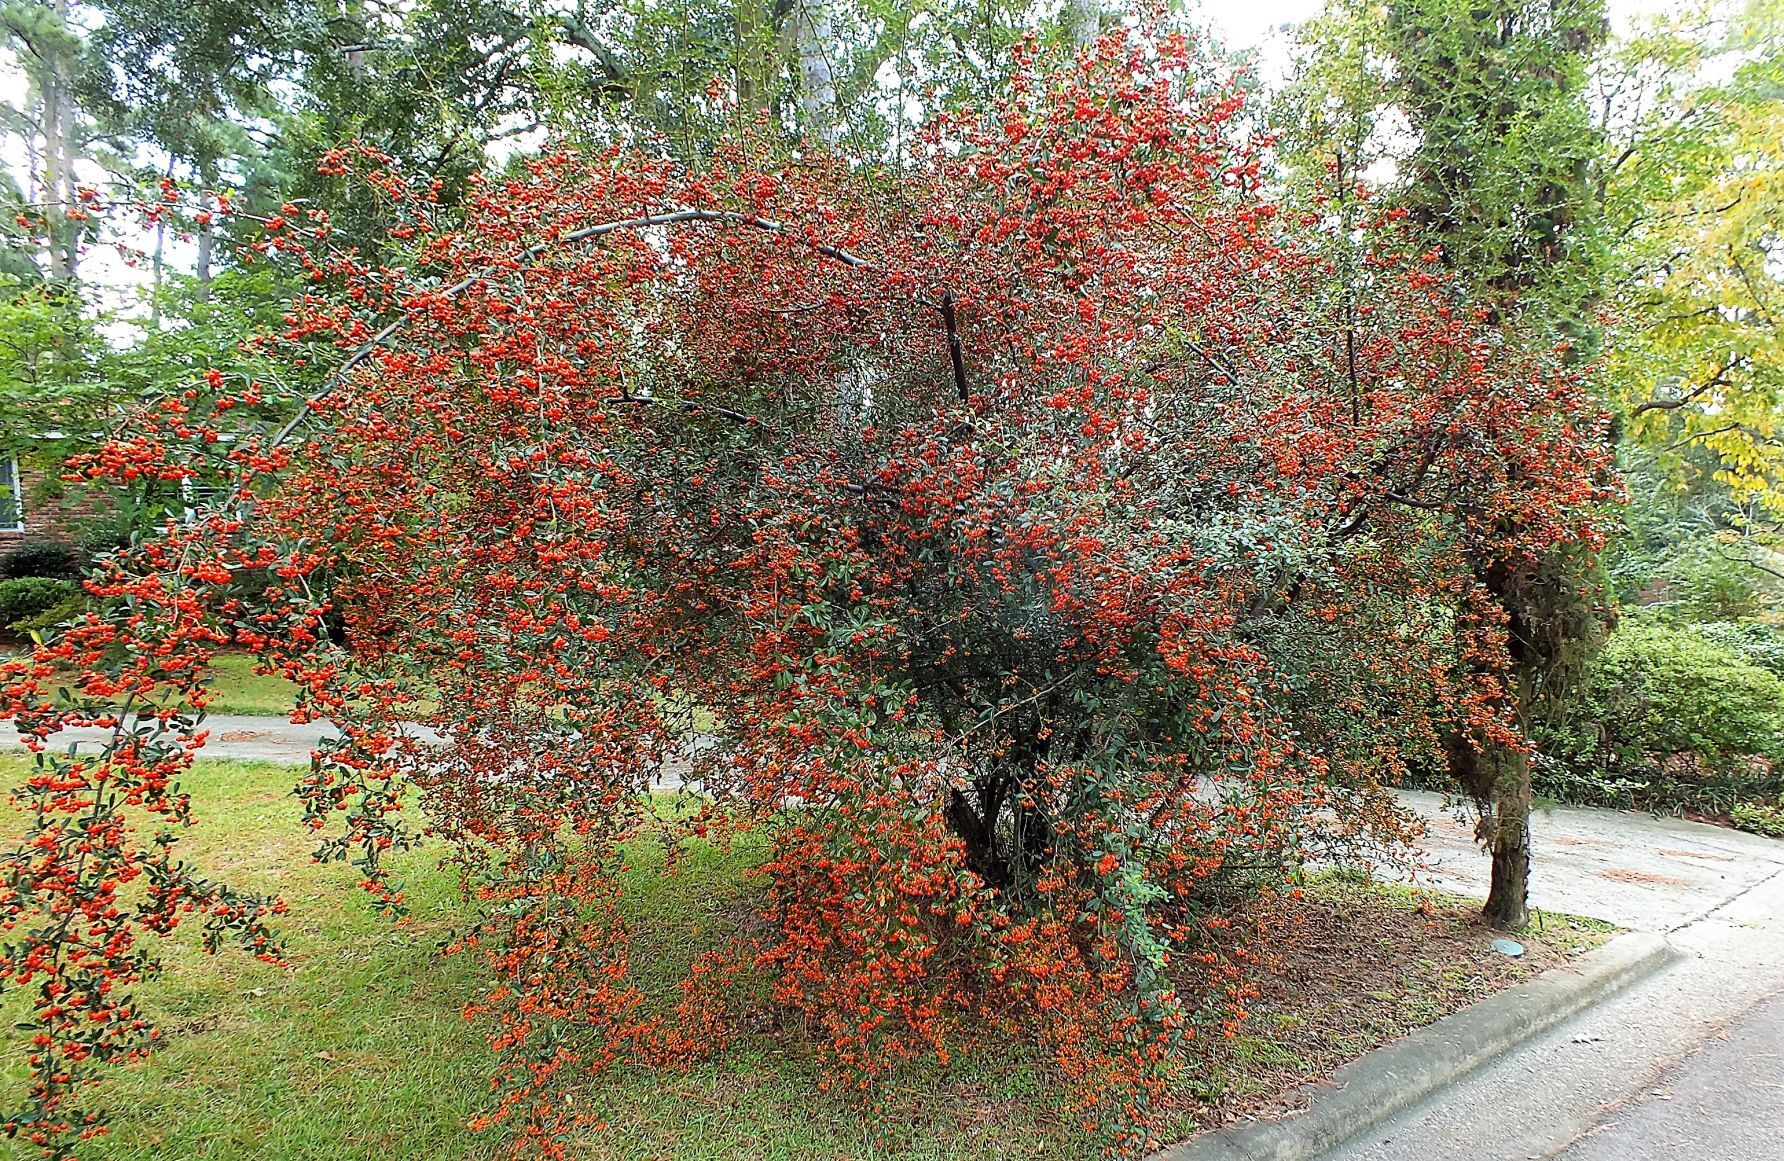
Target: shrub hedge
{"type": "Point", "coordinates": [1669, 717]}
{"type": "Point", "coordinates": [23, 598]}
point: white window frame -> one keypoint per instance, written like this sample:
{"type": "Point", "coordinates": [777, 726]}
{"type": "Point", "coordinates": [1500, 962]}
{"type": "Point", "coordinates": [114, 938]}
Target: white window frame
{"type": "Point", "coordinates": [195, 497]}
{"type": "Point", "coordinates": [13, 521]}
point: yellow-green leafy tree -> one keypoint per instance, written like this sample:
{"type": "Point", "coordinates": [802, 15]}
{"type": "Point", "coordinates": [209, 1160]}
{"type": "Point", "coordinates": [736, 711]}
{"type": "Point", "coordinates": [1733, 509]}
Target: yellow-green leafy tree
{"type": "Point", "coordinates": [1695, 111]}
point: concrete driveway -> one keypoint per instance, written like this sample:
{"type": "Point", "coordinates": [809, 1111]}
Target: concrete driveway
{"type": "Point", "coordinates": [251, 739]}
{"type": "Point", "coordinates": [1642, 872]}
{"type": "Point", "coordinates": [1648, 873]}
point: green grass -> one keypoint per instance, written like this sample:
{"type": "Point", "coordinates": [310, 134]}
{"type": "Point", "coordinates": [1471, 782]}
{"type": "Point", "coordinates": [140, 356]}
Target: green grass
{"type": "Point", "coordinates": [243, 1073]}
{"type": "Point", "coordinates": [239, 690]}
{"type": "Point", "coordinates": [242, 691]}
{"type": "Point", "coordinates": [359, 1050]}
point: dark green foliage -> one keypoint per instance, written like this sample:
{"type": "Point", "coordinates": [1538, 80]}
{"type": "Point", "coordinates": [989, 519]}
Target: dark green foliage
{"type": "Point", "coordinates": [55, 615]}
{"type": "Point", "coordinates": [191, 75]}
{"type": "Point", "coordinates": [1758, 643]}
{"type": "Point", "coordinates": [44, 558]}
{"type": "Point", "coordinates": [26, 597]}
{"type": "Point", "coordinates": [1503, 178]}
{"type": "Point", "coordinates": [1660, 521]}
{"type": "Point", "coordinates": [1666, 718]}
{"type": "Point", "coordinates": [108, 536]}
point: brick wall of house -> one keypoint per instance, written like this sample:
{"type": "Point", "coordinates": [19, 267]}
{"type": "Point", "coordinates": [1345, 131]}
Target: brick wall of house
{"type": "Point", "coordinates": [52, 511]}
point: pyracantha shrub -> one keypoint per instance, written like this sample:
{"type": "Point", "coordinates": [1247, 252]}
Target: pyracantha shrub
{"type": "Point", "coordinates": [1004, 539]}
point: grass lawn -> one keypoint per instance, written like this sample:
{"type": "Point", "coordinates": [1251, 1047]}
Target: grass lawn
{"type": "Point", "coordinates": [239, 689]}
{"type": "Point", "coordinates": [242, 691]}
{"type": "Point", "coordinates": [358, 1050]}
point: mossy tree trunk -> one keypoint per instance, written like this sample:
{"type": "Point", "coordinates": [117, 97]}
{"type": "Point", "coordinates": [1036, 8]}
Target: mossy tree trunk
{"type": "Point", "coordinates": [1506, 832]}
{"type": "Point", "coordinates": [1497, 777]}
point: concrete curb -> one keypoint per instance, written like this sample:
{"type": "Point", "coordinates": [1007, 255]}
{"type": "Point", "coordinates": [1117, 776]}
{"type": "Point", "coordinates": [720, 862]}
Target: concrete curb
{"type": "Point", "coordinates": [1391, 1079]}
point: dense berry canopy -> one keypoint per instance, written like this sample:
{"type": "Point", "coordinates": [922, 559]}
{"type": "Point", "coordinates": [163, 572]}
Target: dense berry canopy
{"type": "Point", "coordinates": [1006, 541]}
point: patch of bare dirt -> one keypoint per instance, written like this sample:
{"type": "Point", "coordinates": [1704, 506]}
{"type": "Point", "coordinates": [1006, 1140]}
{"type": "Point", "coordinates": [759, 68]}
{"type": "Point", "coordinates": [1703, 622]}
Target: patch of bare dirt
{"type": "Point", "coordinates": [1697, 855]}
{"type": "Point", "coordinates": [1351, 967]}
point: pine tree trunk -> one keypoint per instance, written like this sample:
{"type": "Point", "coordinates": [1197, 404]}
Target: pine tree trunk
{"type": "Point", "coordinates": [749, 29]}
{"type": "Point", "coordinates": [1083, 22]}
{"type": "Point", "coordinates": [57, 162]}
{"type": "Point", "coordinates": [206, 242]}
{"type": "Point", "coordinates": [158, 268]}
{"type": "Point", "coordinates": [158, 276]}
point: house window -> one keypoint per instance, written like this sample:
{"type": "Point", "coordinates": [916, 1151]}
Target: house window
{"type": "Point", "coordinates": [12, 497]}
{"type": "Point", "coordinates": [199, 498]}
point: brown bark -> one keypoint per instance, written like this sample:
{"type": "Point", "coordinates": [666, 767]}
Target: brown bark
{"type": "Point", "coordinates": [752, 91]}
{"type": "Point", "coordinates": [1497, 778]}
{"type": "Point", "coordinates": [975, 824]}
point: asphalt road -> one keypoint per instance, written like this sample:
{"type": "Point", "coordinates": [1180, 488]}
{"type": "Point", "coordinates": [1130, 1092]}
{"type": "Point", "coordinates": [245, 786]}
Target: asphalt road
{"type": "Point", "coordinates": [1725, 1101]}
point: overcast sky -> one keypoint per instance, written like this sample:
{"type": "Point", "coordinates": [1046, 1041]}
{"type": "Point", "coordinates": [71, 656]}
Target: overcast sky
{"type": "Point", "coordinates": [1245, 23]}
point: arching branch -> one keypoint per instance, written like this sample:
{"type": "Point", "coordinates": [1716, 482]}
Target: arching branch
{"type": "Point", "coordinates": [532, 254]}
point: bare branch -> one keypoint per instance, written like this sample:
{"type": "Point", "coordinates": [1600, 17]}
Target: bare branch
{"type": "Point", "coordinates": [1679, 443]}
{"type": "Point", "coordinates": [956, 357]}
{"type": "Point", "coordinates": [686, 405]}
{"type": "Point", "coordinates": [1719, 379]}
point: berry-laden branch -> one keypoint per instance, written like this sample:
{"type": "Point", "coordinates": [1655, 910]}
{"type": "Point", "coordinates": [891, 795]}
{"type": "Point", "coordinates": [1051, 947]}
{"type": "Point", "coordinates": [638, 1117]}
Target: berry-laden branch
{"type": "Point", "coordinates": [526, 258]}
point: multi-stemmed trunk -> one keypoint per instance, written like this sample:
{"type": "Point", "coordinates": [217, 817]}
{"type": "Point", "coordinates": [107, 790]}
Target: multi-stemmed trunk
{"type": "Point", "coordinates": [1001, 817]}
